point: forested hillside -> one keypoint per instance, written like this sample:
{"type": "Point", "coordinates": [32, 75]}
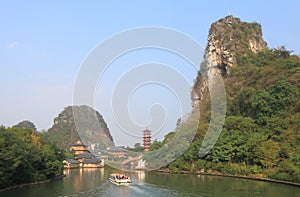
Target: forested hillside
{"type": "Point", "coordinates": [261, 131]}
{"type": "Point", "coordinates": [261, 134]}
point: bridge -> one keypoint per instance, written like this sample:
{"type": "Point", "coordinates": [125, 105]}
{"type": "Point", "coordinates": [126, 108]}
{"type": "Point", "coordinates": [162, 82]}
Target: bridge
{"type": "Point", "coordinates": [130, 160]}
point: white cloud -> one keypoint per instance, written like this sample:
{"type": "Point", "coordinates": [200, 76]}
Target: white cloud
{"type": "Point", "coordinates": [12, 44]}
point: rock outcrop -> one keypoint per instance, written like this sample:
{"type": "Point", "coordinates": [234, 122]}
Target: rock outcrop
{"type": "Point", "coordinates": [228, 38]}
{"type": "Point", "coordinates": [88, 126]}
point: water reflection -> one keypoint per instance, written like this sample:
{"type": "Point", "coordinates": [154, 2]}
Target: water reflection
{"type": "Point", "coordinates": [140, 177]}
{"type": "Point", "coordinates": [94, 182]}
{"type": "Point", "coordinates": [83, 179]}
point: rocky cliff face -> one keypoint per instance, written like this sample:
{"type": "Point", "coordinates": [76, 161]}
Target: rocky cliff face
{"type": "Point", "coordinates": [90, 125]}
{"type": "Point", "coordinates": [228, 38]}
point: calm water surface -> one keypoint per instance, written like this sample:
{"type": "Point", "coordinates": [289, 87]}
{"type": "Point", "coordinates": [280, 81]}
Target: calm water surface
{"type": "Point", "coordinates": [94, 182]}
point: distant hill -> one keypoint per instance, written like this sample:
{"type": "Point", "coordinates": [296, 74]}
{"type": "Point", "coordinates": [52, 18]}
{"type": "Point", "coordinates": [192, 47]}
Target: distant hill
{"type": "Point", "coordinates": [25, 124]}
{"type": "Point", "coordinates": [90, 127]}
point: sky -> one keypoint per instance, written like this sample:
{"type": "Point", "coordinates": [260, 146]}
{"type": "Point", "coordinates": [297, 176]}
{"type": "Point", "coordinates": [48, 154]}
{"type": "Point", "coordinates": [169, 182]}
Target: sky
{"type": "Point", "coordinates": [43, 45]}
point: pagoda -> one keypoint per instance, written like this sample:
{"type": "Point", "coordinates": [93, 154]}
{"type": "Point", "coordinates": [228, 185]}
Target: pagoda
{"type": "Point", "coordinates": [147, 140]}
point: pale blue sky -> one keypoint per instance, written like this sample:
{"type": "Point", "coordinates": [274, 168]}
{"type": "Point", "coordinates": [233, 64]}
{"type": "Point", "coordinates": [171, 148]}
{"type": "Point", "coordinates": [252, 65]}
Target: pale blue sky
{"type": "Point", "coordinates": [42, 44]}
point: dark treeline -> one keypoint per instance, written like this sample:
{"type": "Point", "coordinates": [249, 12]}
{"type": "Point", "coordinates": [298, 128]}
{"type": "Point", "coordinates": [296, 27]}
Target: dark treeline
{"type": "Point", "coordinates": [27, 157]}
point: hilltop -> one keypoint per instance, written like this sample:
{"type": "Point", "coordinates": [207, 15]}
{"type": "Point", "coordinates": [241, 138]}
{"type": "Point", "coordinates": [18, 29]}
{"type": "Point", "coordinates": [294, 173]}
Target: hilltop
{"type": "Point", "coordinates": [90, 127]}
{"type": "Point", "coordinates": [228, 39]}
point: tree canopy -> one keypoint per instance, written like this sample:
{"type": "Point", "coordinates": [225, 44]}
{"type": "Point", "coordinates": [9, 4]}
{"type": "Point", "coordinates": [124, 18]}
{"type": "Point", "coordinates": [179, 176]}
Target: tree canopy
{"type": "Point", "coordinates": [25, 158]}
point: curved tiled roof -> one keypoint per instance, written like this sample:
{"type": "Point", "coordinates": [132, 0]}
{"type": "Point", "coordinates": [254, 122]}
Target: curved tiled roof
{"type": "Point", "coordinates": [91, 161]}
{"type": "Point", "coordinates": [72, 161]}
{"type": "Point", "coordinates": [85, 156]}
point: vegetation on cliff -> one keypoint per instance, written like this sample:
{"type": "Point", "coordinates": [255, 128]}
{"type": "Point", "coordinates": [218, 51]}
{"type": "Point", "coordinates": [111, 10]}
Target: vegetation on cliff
{"type": "Point", "coordinates": [64, 132]}
{"type": "Point", "coordinates": [260, 137]}
{"type": "Point", "coordinates": [261, 132]}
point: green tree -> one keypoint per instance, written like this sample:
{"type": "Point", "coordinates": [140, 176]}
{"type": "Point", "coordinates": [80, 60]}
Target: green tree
{"type": "Point", "coordinates": [155, 145]}
{"type": "Point", "coordinates": [268, 153]}
{"type": "Point", "coordinates": [260, 107]}
{"type": "Point", "coordinates": [25, 159]}
{"type": "Point", "coordinates": [138, 147]}
{"type": "Point", "coordinates": [283, 95]}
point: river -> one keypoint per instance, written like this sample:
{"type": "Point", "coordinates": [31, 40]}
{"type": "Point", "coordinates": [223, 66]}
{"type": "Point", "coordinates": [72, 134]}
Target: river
{"type": "Point", "coordinates": [94, 182]}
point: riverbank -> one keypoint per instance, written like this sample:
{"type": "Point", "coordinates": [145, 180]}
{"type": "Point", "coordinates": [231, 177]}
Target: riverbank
{"type": "Point", "coordinates": [216, 173]}
{"type": "Point", "coordinates": [34, 183]}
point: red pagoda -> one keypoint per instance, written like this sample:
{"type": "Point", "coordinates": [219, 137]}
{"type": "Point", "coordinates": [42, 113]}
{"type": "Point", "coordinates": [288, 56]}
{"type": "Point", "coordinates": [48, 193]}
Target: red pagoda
{"type": "Point", "coordinates": [147, 139]}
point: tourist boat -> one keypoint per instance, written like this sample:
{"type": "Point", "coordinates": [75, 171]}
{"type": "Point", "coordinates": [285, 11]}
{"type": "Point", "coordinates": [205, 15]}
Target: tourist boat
{"type": "Point", "coordinates": [119, 179]}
